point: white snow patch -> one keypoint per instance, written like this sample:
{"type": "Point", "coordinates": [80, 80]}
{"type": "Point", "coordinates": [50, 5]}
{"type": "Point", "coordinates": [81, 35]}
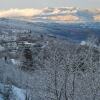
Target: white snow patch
{"type": "Point", "coordinates": [18, 93]}
{"type": "Point", "coordinates": [45, 44]}
{"type": "Point", "coordinates": [83, 43]}
{"type": "Point", "coordinates": [2, 48]}
{"type": "Point", "coordinates": [15, 62]}
{"type": "Point", "coordinates": [27, 43]}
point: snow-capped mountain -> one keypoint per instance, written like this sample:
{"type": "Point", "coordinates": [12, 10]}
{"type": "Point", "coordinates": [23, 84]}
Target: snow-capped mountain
{"type": "Point", "coordinates": [66, 14]}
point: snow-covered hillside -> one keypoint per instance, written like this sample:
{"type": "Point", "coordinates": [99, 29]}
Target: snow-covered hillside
{"type": "Point", "coordinates": [44, 58]}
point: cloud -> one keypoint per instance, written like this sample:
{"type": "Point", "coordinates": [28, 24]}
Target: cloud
{"type": "Point", "coordinates": [64, 18]}
{"type": "Point", "coordinates": [35, 12]}
{"type": "Point", "coordinates": [57, 14]}
{"type": "Point", "coordinates": [20, 12]}
{"type": "Point", "coordinates": [97, 18]}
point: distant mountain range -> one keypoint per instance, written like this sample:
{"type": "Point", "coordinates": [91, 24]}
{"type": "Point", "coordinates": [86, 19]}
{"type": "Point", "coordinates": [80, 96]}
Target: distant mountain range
{"type": "Point", "coordinates": [66, 14]}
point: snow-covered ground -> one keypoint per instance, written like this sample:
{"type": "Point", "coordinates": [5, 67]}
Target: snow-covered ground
{"type": "Point", "coordinates": [14, 92]}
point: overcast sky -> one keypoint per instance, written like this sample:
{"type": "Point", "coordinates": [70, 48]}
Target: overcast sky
{"type": "Point", "coordinates": [6, 4]}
